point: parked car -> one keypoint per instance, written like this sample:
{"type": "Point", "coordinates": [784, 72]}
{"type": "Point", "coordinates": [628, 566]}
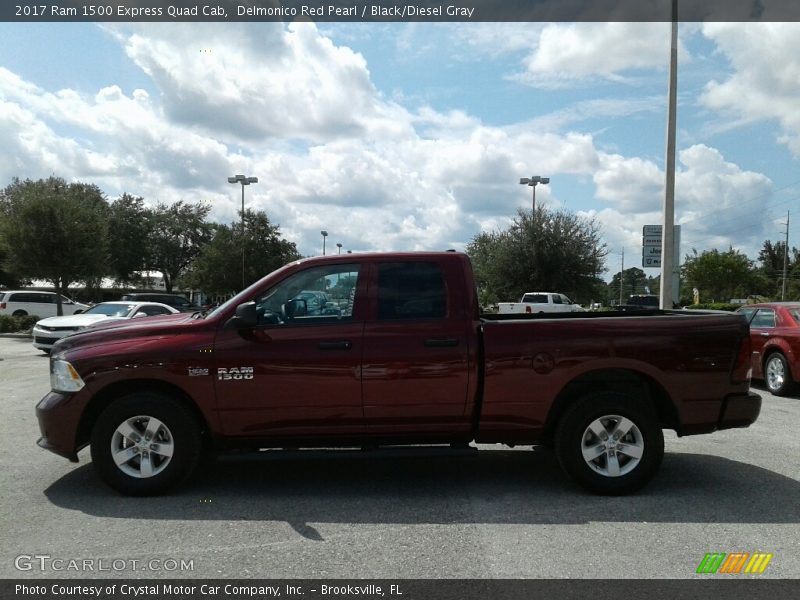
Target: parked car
{"type": "Point", "coordinates": [641, 302]}
{"type": "Point", "coordinates": [539, 302]}
{"type": "Point", "coordinates": [20, 303]}
{"type": "Point", "coordinates": [182, 303]}
{"type": "Point", "coordinates": [775, 335]}
{"type": "Point", "coordinates": [409, 361]}
{"type": "Point", "coordinates": [48, 331]}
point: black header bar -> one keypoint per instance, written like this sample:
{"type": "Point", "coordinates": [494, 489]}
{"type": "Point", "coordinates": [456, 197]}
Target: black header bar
{"type": "Point", "coordinates": [701, 588]}
{"type": "Point", "coordinates": [399, 11]}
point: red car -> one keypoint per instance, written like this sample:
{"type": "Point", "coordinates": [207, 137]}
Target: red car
{"type": "Point", "coordinates": [775, 335]}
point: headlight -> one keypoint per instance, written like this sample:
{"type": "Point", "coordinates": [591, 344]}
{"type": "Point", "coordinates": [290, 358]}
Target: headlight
{"type": "Point", "coordinates": [64, 377]}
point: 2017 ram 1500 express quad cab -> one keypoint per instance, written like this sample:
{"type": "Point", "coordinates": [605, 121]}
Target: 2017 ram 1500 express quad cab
{"type": "Point", "coordinates": [397, 354]}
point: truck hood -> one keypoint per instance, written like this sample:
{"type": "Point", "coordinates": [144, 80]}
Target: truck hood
{"type": "Point", "coordinates": [109, 331]}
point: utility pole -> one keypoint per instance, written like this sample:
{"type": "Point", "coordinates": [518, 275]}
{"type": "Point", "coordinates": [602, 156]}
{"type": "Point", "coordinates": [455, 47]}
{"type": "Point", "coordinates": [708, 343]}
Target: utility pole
{"type": "Point", "coordinates": [785, 258]}
{"type": "Point", "coordinates": [667, 231]}
{"type": "Point", "coordinates": [621, 276]}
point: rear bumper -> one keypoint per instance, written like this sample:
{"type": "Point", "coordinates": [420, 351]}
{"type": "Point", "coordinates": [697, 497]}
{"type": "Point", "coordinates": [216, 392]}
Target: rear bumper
{"type": "Point", "coordinates": [739, 410]}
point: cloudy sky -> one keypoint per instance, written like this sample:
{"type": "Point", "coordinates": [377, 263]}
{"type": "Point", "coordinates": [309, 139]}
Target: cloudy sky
{"type": "Point", "coordinates": [414, 136]}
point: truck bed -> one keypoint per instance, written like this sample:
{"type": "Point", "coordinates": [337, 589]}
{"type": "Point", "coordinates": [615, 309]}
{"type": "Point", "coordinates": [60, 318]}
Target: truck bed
{"type": "Point", "coordinates": [532, 361]}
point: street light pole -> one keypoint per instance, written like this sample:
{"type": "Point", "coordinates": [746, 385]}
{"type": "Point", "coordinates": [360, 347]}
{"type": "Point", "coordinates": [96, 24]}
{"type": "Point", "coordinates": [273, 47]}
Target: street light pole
{"type": "Point", "coordinates": [533, 182]}
{"type": "Point", "coordinates": [244, 181]}
{"type": "Point", "coordinates": [668, 227]}
{"type": "Point", "coordinates": [324, 235]}
{"type": "Point", "coordinates": [339, 246]}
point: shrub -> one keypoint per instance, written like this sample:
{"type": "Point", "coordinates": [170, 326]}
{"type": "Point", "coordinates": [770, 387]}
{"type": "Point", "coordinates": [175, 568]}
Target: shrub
{"type": "Point", "coordinates": [715, 306]}
{"type": "Point", "coordinates": [10, 324]}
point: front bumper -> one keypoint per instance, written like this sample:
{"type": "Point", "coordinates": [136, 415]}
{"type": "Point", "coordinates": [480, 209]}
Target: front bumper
{"type": "Point", "coordinates": [739, 410]}
{"type": "Point", "coordinates": [58, 418]}
{"type": "Point", "coordinates": [44, 340]}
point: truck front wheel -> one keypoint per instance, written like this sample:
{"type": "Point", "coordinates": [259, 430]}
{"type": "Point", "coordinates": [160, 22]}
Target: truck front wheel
{"type": "Point", "coordinates": [610, 443]}
{"type": "Point", "coordinates": [145, 443]}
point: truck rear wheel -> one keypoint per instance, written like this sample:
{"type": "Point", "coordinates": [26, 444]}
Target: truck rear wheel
{"type": "Point", "coordinates": [145, 443]}
{"type": "Point", "coordinates": [610, 443]}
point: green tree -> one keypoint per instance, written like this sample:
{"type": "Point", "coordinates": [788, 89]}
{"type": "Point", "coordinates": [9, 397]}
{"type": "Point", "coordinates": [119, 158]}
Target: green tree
{"type": "Point", "coordinates": [176, 236]}
{"type": "Point", "coordinates": [719, 276]}
{"type": "Point", "coordinates": [7, 278]}
{"type": "Point", "coordinates": [546, 251]}
{"type": "Point", "coordinates": [218, 268]}
{"type": "Point", "coordinates": [54, 231]}
{"type": "Point", "coordinates": [770, 280]}
{"type": "Point", "coordinates": [634, 281]}
{"type": "Point", "coordinates": [130, 222]}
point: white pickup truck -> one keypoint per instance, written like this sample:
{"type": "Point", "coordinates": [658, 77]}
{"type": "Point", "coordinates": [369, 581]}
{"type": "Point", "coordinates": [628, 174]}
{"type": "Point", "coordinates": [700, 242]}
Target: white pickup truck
{"type": "Point", "coordinates": [539, 302]}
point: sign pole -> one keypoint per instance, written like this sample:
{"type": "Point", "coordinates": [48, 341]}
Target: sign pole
{"type": "Point", "coordinates": [667, 240]}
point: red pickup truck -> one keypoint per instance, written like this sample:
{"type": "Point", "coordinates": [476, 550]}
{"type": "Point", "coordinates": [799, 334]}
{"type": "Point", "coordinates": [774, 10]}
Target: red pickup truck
{"type": "Point", "coordinates": [392, 350]}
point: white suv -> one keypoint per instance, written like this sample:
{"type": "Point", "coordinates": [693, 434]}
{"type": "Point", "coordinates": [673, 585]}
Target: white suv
{"type": "Point", "coordinates": [32, 302]}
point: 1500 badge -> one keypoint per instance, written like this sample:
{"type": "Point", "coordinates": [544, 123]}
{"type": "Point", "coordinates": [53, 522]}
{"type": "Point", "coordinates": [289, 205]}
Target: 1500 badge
{"type": "Point", "coordinates": [224, 374]}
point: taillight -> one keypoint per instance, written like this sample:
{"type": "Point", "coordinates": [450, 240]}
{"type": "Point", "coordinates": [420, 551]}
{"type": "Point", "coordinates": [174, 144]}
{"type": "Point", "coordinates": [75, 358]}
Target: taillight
{"type": "Point", "coordinates": [2, 305]}
{"type": "Point", "coordinates": [743, 366]}
{"type": "Point", "coordinates": [528, 309]}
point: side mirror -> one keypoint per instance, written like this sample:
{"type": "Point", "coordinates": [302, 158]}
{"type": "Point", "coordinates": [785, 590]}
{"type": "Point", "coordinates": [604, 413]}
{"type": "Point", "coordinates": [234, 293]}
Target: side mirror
{"type": "Point", "coordinates": [77, 312]}
{"type": "Point", "coordinates": [139, 315]}
{"type": "Point", "coordinates": [295, 308]}
{"type": "Point", "coordinates": [246, 316]}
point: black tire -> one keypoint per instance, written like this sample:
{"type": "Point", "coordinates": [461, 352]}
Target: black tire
{"type": "Point", "coordinates": [19, 313]}
{"type": "Point", "coordinates": [176, 429]}
{"type": "Point", "coordinates": [777, 376]}
{"type": "Point", "coordinates": [614, 470]}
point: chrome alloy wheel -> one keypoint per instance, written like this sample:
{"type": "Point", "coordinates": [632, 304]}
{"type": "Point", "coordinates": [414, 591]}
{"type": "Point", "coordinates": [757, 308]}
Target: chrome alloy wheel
{"type": "Point", "coordinates": [142, 446]}
{"type": "Point", "coordinates": [776, 374]}
{"type": "Point", "coordinates": [612, 445]}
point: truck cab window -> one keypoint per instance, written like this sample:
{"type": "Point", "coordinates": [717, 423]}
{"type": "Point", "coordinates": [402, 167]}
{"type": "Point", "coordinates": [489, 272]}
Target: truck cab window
{"type": "Point", "coordinates": [316, 295]}
{"type": "Point", "coordinates": [411, 290]}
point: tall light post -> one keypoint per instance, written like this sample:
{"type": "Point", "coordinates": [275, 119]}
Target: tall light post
{"type": "Point", "coordinates": [533, 181]}
{"type": "Point", "coordinates": [244, 181]}
{"type": "Point", "coordinates": [324, 235]}
{"type": "Point", "coordinates": [339, 246]}
{"type": "Point", "coordinates": [668, 228]}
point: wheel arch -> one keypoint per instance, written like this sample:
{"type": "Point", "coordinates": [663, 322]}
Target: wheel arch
{"type": "Point", "coordinates": [787, 354]}
{"type": "Point", "coordinates": [121, 388]}
{"type": "Point", "coordinates": [635, 384]}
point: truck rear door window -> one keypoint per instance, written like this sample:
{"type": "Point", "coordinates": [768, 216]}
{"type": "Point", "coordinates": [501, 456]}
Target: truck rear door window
{"type": "Point", "coordinates": [411, 290]}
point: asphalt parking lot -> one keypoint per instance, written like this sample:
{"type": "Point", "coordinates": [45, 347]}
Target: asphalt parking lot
{"type": "Point", "coordinates": [492, 513]}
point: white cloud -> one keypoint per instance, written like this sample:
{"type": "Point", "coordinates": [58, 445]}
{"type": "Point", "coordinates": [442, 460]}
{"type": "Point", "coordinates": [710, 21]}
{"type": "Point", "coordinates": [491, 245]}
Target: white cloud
{"type": "Point", "coordinates": [630, 184]}
{"type": "Point", "coordinates": [568, 54]}
{"type": "Point", "coordinates": [765, 83]}
{"type": "Point", "coordinates": [716, 202]}
{"type": "Point", "coordinates": [250, 81]}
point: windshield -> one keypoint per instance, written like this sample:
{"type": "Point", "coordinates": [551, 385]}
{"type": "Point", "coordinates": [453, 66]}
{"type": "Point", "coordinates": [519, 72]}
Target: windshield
{"type": "Point", "coordinates": [110, 310]}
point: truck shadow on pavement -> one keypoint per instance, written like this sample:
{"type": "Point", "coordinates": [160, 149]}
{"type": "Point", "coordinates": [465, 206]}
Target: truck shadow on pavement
{"type": "Point", "coordinates": [440, 487]}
